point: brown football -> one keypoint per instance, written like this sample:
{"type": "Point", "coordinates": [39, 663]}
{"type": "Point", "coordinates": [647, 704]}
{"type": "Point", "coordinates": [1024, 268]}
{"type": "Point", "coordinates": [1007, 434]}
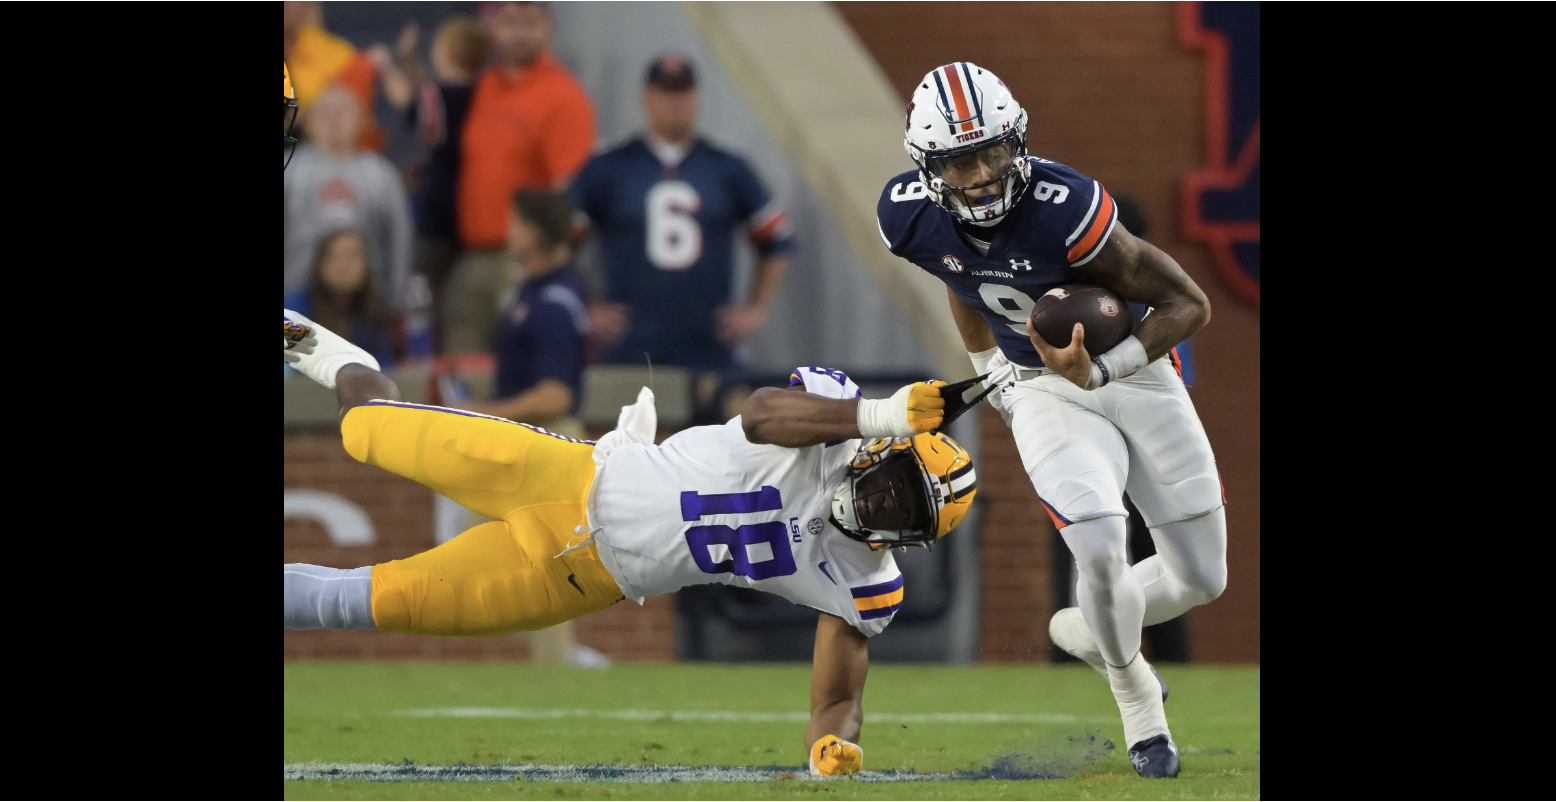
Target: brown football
{"type": "Point", "coordinates": [1107, 318]}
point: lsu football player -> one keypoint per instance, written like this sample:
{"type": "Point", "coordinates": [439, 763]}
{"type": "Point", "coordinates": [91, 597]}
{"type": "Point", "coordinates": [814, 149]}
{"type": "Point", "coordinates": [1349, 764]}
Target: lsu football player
{"type": "Point", "coordinates": [1001, 228]}
{"type": "Point", "coordinates": [803, 495]}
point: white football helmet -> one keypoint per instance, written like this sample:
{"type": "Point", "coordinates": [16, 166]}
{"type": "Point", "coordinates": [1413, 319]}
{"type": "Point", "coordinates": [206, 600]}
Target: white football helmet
{"type": "Point", "coordinates": [968, 135]}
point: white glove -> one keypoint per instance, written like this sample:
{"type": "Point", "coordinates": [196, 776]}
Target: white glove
{"type": "Point", "coordinates": [327, 352]}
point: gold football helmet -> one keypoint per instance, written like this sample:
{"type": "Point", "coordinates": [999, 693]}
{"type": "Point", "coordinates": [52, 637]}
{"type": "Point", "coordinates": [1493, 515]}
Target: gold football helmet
{"type": "Point", "coordinates": [289, 115]}
{"type": "Point", "coordinates": [905, 491]}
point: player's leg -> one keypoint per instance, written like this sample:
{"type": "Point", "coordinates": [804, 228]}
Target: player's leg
{"type": "Point", "coordinates": [1078, 462]}
{"type": "Point", "coordinates": [495, 578]}
{"type": "Point", "coordinates": [488, 465]}
{"type": "Point", "coordinates": [1076, 459]}
{"type": "Point", "coordinates": [1174, 483]}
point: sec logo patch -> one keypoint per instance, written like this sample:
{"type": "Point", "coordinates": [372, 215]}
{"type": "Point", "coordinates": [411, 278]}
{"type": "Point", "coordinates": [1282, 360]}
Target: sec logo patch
{"type": "Point", "coordinates": [952, 264]}
{"type": "Point", "coordinates": [814, 527]}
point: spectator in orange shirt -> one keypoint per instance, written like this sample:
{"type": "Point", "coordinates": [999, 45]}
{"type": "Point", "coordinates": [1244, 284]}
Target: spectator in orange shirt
{"type": "Point", "coordinates": [530, 125]}
{"type": "Point", "coordinates": [317, 58]}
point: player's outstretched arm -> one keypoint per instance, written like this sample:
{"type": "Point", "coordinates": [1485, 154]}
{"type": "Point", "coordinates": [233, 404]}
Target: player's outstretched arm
{"type": "Point", "coordinates": [1143, 273]}
{"type": "Point", "coordinates": [798, 419]}
{"type": "Point", "coordinates": [357, 384]}
{"type": "Point", "coordinates": [842, 660]}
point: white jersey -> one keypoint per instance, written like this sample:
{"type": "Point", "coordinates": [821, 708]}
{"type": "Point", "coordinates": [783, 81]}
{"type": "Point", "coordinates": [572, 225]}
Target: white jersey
{"type": "Point", "coordinates": [709, 506]}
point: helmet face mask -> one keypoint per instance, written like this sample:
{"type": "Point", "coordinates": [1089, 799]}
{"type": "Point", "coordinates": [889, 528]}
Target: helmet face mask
{"type": "Point", "coordinates": [980, 184]}
{"type": "Point", "coordinates": [899, 491]}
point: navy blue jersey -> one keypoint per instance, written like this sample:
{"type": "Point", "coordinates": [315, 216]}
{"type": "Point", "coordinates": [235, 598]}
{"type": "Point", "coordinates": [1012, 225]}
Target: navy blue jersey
{"type": "Point", "coordinates": [667, 237]}
{"type": "Point", "coordinates": [542, 335]}
{"type": "Point", "coordinates": [1059, 225]}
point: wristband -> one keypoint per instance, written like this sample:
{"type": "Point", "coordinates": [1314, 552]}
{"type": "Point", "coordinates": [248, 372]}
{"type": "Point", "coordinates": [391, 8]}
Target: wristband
{"type": "Point", "coordinates": [1099, 374]}
{"type": "Point", "coordinates": [887, 417]}
{"type": "Point", "coordinates": [981, 360]}
{"type": "Point", "coordinates": [1125, 358]}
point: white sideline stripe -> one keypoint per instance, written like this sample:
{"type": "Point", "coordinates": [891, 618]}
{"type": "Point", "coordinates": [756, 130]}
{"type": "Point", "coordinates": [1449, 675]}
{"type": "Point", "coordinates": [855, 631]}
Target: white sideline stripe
{"type": "Point", "coordinates": [535, 772]}
{"type": "Point", "coordinates": [738, 716]}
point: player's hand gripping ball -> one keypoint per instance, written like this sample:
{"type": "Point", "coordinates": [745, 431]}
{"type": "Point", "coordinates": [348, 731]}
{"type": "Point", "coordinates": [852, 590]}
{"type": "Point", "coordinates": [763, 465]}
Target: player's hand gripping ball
{"type": "Point", "coordinates": [832, 756]}
{"type": "Point", "coordinates": [297, 339]}
{"type": "Point", "coordinates": [926, 408]}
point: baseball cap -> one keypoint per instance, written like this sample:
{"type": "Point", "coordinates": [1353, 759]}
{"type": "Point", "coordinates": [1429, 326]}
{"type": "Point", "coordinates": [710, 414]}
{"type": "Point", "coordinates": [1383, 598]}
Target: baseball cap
{"type": "Point", "coordinates": [672, 72]}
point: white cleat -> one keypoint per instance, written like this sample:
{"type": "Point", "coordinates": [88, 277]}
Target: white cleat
{"type": "Point", "coordinates": [1069, 632]}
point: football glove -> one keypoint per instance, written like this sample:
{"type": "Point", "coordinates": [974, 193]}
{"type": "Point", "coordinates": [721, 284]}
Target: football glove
{"type": "Point", "coordinates": [914, 409]}
{"type": "Point", "coordinates": [297, 340]}
{"type": "Point", "coordinates": [831, 756]}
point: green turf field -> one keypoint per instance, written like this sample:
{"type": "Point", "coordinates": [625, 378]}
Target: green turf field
{"type": "Point", "coordinates": [1024, 721]}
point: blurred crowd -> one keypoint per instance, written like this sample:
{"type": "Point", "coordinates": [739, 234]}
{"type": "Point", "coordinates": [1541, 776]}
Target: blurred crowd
{"type": "Point", "coordinates": [463, 243]}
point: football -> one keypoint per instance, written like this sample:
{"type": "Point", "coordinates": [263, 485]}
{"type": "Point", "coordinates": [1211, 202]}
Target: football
{"type": "Point", "coordinates": [1107, 318]}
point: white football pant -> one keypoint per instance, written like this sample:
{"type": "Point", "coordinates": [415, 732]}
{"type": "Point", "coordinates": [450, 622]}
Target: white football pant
{"type": "Point", "coordinates": [1083, 450]}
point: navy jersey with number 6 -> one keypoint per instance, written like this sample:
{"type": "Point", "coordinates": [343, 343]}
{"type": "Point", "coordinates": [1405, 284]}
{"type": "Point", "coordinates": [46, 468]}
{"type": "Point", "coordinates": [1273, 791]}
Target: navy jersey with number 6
{"type": "Point", "coordinates": [1059, 225]}
{"type": "Point", "coordinates": [667, 238]}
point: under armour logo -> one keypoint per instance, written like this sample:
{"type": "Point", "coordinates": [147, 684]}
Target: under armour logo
{"type": "Point", "coordinates": [1024, 264]}
{"type": "Point", "coordinates": [1138, 759]}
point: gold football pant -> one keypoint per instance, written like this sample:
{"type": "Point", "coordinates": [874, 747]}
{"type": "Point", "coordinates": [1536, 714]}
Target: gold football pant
{"type": "Point", "coordinates": [498, 577]}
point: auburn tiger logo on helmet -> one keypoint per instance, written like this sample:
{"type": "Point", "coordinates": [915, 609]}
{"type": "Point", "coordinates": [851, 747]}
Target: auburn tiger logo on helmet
{"type": "Point", "coordinates": [905, 491]}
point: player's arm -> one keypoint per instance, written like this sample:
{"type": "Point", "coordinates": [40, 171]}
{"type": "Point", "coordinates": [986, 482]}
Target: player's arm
{"type": "Point", "coordinates": [970, 323]}
{"type": "Point", "coordinates": [1144, 274]}
{"type": "Point", "coordinates": [837, 677]}
{"type": "Point", "coordinates": [795, 420]}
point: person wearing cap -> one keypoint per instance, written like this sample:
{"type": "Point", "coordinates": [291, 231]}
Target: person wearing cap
{"type": "Point", "coordinates": [530, 124]}
{"type": "Point", "coordinates": [666, 206]}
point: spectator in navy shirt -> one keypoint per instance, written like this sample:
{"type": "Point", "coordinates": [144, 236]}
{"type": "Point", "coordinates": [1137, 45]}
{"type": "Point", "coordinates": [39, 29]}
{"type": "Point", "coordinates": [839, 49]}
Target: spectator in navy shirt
{"type": "Point", "coordinates": [666, 206]}
{"type": "Point", "coordinates": [540, 340]}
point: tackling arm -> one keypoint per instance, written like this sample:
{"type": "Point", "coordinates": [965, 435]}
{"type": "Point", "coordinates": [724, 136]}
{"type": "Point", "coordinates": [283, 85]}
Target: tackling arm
{"type": "Point", "coordinates": [842, 660]}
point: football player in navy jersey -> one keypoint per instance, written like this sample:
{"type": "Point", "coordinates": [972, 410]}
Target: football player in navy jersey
{"type": "Point", "coordinates": [1002, 228]}
{"type": "Point", "coordinates": [666, 206]}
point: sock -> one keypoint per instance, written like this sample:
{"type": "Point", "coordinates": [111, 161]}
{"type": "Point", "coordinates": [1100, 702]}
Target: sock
{"type": "Point", "coordinates": [328, 598]}
{"type": "Point", "coordinates": [1139, 700]}
{"type": "Point", "coordinates": [331, 354]}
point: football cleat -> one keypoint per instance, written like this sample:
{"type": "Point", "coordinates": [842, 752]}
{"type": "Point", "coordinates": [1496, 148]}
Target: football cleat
{"type": "Point", "coordinates": [1155, 757]}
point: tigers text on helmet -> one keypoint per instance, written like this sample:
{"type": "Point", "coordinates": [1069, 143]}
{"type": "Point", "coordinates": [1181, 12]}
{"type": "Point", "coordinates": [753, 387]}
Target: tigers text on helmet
{"type": "Point", "coordinates": [903, 491]}
{"type": "Point", "coordinates": [968, 137]}
{"type": "Point", "coordinates": [288, 115]}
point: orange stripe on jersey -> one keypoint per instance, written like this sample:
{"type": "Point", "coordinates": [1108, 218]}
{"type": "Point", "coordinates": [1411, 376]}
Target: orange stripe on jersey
{"type": "Point", "coordinates": [1099, 224]}
{"type": "Point", "coordinates": [765, 231]}
{"type": "Point", "coordinates": [958, 95]}
{"type": "Point", "coordinates": [1177, 364]}
{"type": "Point", "coordinates": [877, 602]}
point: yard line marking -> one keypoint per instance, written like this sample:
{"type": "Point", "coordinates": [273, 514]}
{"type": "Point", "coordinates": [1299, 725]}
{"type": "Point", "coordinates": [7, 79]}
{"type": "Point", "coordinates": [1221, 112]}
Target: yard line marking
{"type": "Point", "coordinates": [737, 716]}
{"type": "Point", "coordinates": [533, 772]}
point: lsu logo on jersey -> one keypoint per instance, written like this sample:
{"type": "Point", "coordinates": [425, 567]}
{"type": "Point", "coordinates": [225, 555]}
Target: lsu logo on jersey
{"type": "Point", "coordinates": [1221, 200]}
{"type": "Point", "coordinates": [952, 264]}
